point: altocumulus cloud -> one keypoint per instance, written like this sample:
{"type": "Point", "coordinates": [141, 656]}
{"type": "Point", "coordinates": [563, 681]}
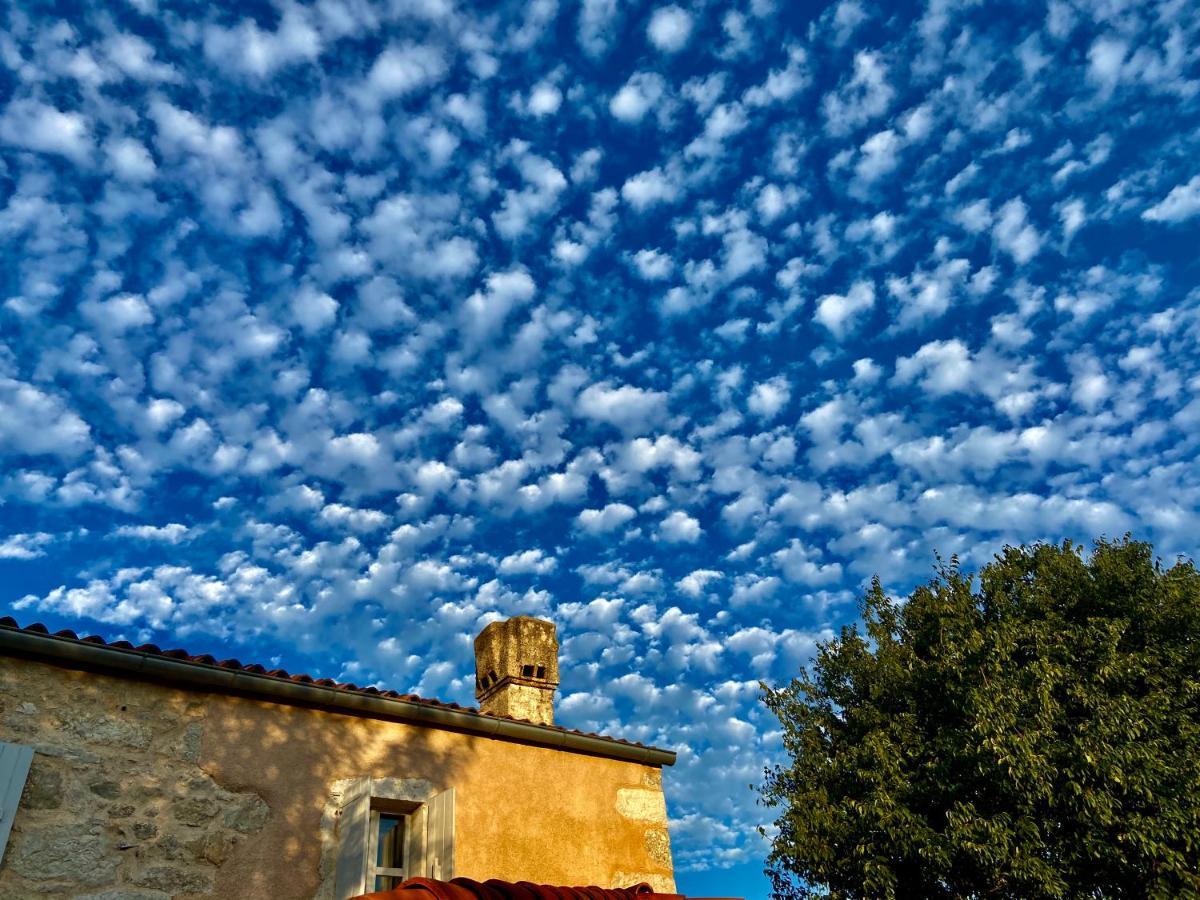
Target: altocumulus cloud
{"type": "Point", "coordinates": [349, 328]}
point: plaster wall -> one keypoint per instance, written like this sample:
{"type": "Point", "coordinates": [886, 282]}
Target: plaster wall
{"type": "Point", "coordinates": [141, 791]}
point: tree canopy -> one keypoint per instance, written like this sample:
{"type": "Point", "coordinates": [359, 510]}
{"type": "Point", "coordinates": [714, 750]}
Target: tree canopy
{"type": "Point", "coordinates": [1034, 732]}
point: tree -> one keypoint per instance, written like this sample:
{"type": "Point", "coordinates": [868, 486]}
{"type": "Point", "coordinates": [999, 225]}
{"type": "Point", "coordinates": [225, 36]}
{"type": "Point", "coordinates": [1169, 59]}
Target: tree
{"type": "Point", "coordinates": [1036, 735]}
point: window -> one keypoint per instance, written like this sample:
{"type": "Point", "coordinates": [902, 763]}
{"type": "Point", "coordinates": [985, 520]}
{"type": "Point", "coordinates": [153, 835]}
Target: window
{"type": "Point", "coordinates": [386, 856]}
{"type": "Point", "coordinates": [391, 829]}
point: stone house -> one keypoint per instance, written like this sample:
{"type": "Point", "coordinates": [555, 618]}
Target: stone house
{"type": "Point", "coordinates": [134, 773]}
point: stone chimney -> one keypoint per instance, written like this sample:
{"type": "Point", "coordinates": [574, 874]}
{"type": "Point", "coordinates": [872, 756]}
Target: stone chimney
{"type": "Point", "coordinates": [516, 669]}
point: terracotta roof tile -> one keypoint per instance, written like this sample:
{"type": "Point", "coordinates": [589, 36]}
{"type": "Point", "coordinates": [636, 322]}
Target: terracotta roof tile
{"type": "Point", "coordinates": [494, 889]}
{"type": "Point", "coordinates": [7, 622]}
{"type": "Point", "coordinates": [468, 889]}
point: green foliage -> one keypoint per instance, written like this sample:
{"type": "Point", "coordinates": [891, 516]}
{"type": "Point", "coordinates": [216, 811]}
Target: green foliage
{"type": "Point", "coordinates": [1034, 735]}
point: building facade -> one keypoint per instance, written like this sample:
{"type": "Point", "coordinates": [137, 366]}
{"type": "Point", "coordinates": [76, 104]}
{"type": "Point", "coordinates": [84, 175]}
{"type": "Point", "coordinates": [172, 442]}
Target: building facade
{"type": "Point", "coordinates": [140, 774]}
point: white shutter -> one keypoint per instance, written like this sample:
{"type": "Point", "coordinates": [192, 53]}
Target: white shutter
{"type": "Point", "coordinates": [353, 830]}
{"type": "Point", "coordinates": [14, 769]}
{"type": "Point", "coordinates": [440, 843]}
{"type": "Point", "coordinates": [417, 833]}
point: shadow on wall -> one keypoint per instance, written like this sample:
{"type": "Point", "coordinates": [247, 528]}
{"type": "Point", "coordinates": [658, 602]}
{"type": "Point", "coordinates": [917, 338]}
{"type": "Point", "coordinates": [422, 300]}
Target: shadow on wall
{"type": "Point", "coordinates": [138, 787]}
{"type": "Point", "coordinates": [304, 764]}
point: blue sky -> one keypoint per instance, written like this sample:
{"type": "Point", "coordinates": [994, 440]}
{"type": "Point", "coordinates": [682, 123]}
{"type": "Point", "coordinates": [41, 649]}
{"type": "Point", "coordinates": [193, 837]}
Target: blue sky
{"type": "Point", "coordinates": [331, 332]}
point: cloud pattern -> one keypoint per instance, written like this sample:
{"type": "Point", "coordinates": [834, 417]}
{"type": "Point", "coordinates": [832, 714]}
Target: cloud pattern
{"type": "Point", "coordinates": [332, 331]}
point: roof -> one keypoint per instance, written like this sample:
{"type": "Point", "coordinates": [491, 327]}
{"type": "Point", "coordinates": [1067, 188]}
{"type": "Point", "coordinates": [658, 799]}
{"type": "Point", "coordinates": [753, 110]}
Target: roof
{"type": "Point", "coordinates": [495, 889]}
{"type": "Point", "coordinates": [467, 889]}
{"type": "Point", "coordinates": [180, 667]}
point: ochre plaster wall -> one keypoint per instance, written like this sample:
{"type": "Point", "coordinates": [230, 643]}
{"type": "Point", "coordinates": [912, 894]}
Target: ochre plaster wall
{"type": "Point", "coordinates": [142, 792]}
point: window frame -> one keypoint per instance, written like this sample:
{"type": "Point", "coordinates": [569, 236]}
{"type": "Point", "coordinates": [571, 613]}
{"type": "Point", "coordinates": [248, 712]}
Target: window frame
{"type": "Point", "coordinates": [428, 825]}
{"type": "Point", "coordinates": [376, 871]}
{"type": "Point", "coordinates": [415, 823]}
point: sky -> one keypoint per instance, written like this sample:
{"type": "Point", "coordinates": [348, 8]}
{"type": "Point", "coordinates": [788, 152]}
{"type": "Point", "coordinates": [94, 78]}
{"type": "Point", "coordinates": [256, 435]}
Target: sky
{"type": "Point", "coordinates": [330, 332]}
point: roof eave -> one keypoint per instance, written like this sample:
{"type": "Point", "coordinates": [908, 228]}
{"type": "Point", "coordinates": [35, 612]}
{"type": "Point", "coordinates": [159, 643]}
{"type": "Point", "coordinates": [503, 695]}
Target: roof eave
{"type": "Point", "coordinates": [165, 669]}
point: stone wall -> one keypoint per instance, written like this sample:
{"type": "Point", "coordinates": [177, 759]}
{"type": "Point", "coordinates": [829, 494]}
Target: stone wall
{"type": "Point", "coordinates": [117, 806]}
{"type": "Point", "coordinates": [140, 791]}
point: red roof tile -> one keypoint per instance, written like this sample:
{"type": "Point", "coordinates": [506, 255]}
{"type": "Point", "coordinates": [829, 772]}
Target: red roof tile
{"type": "Point", "coordinates": [8, 623]}
{"type": "Point", "coordinates": [493, 889]}
{"type": "Point", "coordinates": [467, 889]}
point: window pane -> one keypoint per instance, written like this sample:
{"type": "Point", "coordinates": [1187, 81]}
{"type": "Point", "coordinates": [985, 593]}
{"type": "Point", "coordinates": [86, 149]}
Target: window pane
{"type": "Point", "coordinates": [386, 882]}
{"type": "Point", "coordinates": [390, 843]}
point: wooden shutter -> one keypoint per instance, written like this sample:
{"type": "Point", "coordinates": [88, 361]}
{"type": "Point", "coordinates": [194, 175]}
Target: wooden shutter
{"type": "Point", "coordinates": [353, 830]}
{"type": "Point", "coordinates": [440, 842]}
{"type": "Point", "coordinates": [14, 769]}
{"type": "Point", "coordinates": [416, 864]}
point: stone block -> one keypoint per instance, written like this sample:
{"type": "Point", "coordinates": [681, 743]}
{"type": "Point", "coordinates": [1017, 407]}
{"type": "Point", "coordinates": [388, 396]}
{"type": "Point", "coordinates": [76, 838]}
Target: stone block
{"type": "Point", "coordinates": [217, 847]}
{"type": "Point", "coordinates": [658, 845]}
{"type": "Point", "coordinates": [174, 880]}
{"type": "Point", "coordinates": [196, 811]}
{"type": "Point", "coordinates": [57, 852]}
{"type": "Point", "coordinates": [108, 730]}
{"type": "Point", "coordinates": [109, 790]}
{"type": "Point", "coordinates": [249, 815]}
{"type": "Point", "coordinates": [44, 789]}
{"type": "Point", "coordinates": [642, 805]}
{"type": "Point", "coordinates": [190, 746]}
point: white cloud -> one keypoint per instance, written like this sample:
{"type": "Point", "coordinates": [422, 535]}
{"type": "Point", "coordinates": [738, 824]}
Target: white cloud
{"type": "Point", "coordinates": [768, 398]}
{"type": "Point", "coordinates": [670, 28]}
{"type": "Point", "coordinates": [543, 185]}
{"type": "Point", "coordinates": [485, 311]}
{"type": "Point", "coordinates": [171, 533]}
{"type": "Point", "coordinates": [527, 562]}
{"type": "Point", "coordinates": [544, 100]}
{"type": "Point", "coordinates": [696, 582]}
{"type": "Point", "coordinates": [602, 521]}
{"type": "Point", "coordinates": [653, 265]}
{"type": "Point", "coordinates": [637, 96]}
{"type": "Point", "coordinates": [1013, 233]}
{"type": "Point", "coordinates": [34, 422]}
{"type": "Point", "coordinates": [25, 546]}
{"type": "Point", "coordinates": [1073, 215]}
{"type": "Point", "coordinates": [840, 313]}
{"type": "Point", "coordinates": [1105, 59]}
{"type": "Point", "coordinates": [249, 49]}
{"type": "Point", "coordinates": [405, 68]}
{"type": "Point", "coordinates": [361, 521]}
{"type": "Point", "coordinates": [629, 408]}
{"type": "Point", "coordinates": [596, 25]}
{"type": "Point", "coordinates": [879, 155]}
{"type": "Point", "coordinates": [1183, 202]}
{"type": "Point", "coordinates": [864, 96]}
{"type": "Point", "coordinates": [679, 528]}
{"type": "Point", "coordinates": [31, 125]}
{"type": "Point", "coordinates": [925, 296]}
{"type": "Point", "coordinates": [649, 188]}
{"type": "Point", "coordinates": [313, 310]}
{"type": "Point", "coordinates": [800, 564]}
{"type": "Point", "coordinates": [119, 313]}
{"type": "Point", "coordinates": [129, 159]}
{"type": "Point", "coordinates": [942, 367]}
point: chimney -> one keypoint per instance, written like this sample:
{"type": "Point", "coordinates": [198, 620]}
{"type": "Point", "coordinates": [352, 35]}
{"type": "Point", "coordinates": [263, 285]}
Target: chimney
{"type": "Point", "coordinates": [516, 669]}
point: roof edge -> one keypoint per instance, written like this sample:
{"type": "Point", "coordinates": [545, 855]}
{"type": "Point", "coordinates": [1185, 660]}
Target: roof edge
{"type": "Point", "coordinates": [138, 663]}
